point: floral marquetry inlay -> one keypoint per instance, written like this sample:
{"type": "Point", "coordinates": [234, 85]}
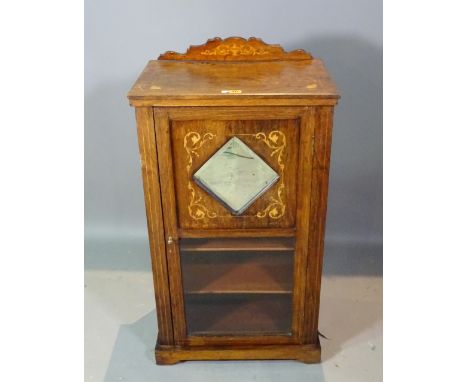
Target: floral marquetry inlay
{"type": "Point", "coordinates": [276, 207]}
{"type": "Point", "coordinates": [193, 141]}
{"type": "Point", "coordinates": [236, 49]}
{"type": "Point", "coordinates": [276, 141]}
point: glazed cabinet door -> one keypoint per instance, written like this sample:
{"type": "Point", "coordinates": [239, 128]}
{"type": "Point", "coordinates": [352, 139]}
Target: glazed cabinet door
{"type": "Point", "coordinates": [236, 205]}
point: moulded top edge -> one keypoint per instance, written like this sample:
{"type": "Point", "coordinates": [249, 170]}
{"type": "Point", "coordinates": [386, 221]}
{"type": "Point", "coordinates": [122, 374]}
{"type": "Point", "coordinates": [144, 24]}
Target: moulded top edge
{"type": "Point", "coordinates": [210, 80]}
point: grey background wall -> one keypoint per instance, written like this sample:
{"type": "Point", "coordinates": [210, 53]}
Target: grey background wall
{"type": "Point", "coordinates": [121, 36]}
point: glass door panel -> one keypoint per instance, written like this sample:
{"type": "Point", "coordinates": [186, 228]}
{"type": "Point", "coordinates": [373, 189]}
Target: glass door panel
{"type": "Point", "coordinates": [240, 286]}
{"type": "Point", "coordinates": [238, 314]}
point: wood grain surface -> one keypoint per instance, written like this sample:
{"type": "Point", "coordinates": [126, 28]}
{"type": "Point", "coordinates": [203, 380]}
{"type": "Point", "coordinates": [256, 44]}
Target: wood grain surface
{"type": "Point", "coordinates": [236, 49]}
{"type": "Point", "coordinates": [247, 286]}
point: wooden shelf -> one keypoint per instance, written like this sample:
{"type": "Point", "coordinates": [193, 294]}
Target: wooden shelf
{"type": "Point", "coordinates": [237, 291]}
{"type": "Point", "coordinates": [254, 272]}
{"type": "Point", "coordinates": [237, 244]}
{"type": "Point", "coordinates": [238, 314]}
{"type": "Point", "coordinates": [240, 286]}
{"type": "Point", "coordinates": [236, 232]}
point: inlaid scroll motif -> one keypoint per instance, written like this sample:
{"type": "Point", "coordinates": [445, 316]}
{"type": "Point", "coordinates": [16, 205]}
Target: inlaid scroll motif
{"type": "Point", "coordinates": [276, 140]}
{"type": "Point", "coordinates": [193, 141]}
{"type": "Point", "coordinates": [236, 49]}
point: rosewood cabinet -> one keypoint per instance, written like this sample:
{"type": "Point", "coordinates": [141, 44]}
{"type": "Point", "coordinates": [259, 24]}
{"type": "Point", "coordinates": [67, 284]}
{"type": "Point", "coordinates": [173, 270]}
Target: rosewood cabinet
{"type": "Point", "coordinates": [235, 139]}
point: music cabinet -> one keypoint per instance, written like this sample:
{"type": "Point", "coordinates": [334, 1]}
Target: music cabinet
{"type": "Point", "coordinates": [235, 139]}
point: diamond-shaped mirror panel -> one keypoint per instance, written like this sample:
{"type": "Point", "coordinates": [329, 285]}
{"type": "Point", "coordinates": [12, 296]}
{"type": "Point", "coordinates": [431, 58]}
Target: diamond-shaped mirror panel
{"type": "Point", "coordinates": [236, 176]}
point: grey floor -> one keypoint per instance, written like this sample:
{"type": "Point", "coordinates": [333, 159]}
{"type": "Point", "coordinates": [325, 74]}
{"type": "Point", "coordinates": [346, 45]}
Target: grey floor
{"type": "Point", "coordinates": [120, 321]}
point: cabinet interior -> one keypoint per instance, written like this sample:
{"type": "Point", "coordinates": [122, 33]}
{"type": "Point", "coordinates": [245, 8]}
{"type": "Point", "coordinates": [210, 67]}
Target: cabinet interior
{"type": "Point", "coordinates": [238, 286]}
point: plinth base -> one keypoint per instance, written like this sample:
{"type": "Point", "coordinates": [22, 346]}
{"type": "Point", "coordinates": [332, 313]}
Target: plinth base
{"type": "Point", "coordinates": [169, 355]}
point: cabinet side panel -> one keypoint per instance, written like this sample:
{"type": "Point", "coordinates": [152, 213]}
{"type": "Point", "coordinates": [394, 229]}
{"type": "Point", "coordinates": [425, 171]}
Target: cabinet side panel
{"type": "Point", "coordinates": [163, 138]}
{"type": "Point", "coordinates": [302, 219]}
{"type": "Point", "coordinates": [318, 211]}
{"type": "Point", "coordinates": [150, 174]}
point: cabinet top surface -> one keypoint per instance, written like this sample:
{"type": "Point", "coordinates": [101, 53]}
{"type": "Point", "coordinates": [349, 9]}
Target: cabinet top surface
{"type": "Point", "coordinates": [213, 71]}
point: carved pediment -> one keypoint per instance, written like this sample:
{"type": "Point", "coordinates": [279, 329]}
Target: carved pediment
{"type": "Point", "coordinates": [236, 49]}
